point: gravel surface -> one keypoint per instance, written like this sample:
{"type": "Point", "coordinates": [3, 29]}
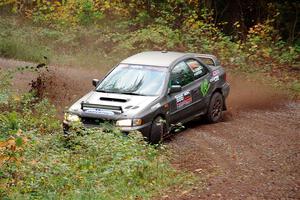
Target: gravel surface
{"type": "Point", "coordinates": [254, 155]}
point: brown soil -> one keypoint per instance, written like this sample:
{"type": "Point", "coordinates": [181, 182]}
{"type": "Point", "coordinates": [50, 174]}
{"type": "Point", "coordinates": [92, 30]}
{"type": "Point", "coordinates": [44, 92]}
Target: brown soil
{"type": "Point", "coordinates": [254, 153]}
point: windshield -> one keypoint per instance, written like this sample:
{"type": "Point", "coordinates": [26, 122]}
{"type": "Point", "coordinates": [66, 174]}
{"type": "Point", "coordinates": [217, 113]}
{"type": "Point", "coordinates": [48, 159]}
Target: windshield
{"type": "Point", "coordinates": [135, 80]}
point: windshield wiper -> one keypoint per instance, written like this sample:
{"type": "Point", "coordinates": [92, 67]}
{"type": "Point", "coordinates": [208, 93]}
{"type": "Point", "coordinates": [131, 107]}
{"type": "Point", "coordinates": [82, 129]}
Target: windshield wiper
{"type": "Point", "coordinates": [132, 93]}
{"type": "Point", "coordinates": [104, 91]}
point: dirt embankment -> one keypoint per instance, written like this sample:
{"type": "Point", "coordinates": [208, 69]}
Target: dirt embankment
{"type": "Point", "coordinates": [253, 154]}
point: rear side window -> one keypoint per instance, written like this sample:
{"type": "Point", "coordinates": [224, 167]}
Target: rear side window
{"type": "Point", "coordinates": [181, 74]}
{"type": "Point", "coordinates": [197, 68]}
{"type": "Point", "coordinates": [207, 61]}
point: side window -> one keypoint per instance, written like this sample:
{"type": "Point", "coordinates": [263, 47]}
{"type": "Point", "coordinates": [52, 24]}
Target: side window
{"type": "Point", "coordinates": [181, 74]}
{"type": "Point", "coordinates": [197, 68]}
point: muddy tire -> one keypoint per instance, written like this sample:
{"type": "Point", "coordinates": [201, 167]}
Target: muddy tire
{"type": "Point", "coordinates": [215, 108]}
{"type": "Point", "coordinates": [158, 129]}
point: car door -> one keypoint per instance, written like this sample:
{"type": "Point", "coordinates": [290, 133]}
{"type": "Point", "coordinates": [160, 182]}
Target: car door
{"type": "Point", "coordinates": [201, 85]}
{"type": "Point", "coordinates": [181, 102]}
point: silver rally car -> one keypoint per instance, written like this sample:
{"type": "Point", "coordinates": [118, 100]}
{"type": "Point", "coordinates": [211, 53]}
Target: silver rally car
{"type": "Point", "coordinates": [152, 92]}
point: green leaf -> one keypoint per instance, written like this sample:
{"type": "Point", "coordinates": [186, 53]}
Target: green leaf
{"type": "Point", "coordinates": [19, 141]}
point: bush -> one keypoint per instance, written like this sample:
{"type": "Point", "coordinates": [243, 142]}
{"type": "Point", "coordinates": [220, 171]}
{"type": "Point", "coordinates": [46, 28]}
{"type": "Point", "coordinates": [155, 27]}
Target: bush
{"type": "Point", "coordinates": [12, 48]}
{"type": "Point", "coordinates": [156, 37]}
{"type": "Point", "coordinates": [66, 13]}
{"type": "Point", "coordinates": [89, 164]}
{"type": "Point", "coordinates": [38, 162]}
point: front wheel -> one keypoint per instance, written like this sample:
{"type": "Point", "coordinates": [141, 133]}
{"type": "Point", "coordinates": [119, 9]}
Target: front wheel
{"type": "Point", "coordinates": [216, 104]}
{"type": "Point", "coordinates": [158, 130]}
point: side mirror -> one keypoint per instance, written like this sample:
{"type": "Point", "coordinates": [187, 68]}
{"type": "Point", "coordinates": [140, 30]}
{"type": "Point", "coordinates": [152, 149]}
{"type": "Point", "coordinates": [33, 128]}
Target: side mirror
{"type": "Point", "coordinates": [95, 82]}
{"type": "Point", "coordinates": [175, 88]}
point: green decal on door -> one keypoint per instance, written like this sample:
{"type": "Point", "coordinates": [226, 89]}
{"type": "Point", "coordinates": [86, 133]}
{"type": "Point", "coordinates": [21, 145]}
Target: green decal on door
{"type": "Point", "coordinates": [204, 87]}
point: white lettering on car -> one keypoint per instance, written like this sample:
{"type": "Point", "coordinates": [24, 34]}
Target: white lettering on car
{"type": "Point", "coordinates": [214, 79]}
{"type": "Point", "coordinates": [100, 111]}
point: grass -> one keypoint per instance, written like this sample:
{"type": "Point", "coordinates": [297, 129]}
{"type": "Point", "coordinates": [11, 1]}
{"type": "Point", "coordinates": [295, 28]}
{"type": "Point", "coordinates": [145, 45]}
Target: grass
{"type": "Point", "coordinates": [11, 47]}
{"type": "Point", "coordinates": [80, 47]}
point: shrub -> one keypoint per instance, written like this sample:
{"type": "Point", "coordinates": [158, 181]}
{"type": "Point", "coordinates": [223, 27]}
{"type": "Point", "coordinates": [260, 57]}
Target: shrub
{"type": "Point", "coordinates": [156, 37]}
{"type": "Point", "coordinates": [65, 13]}
{"type": "Point", "coordinates": [38, 162]}
{"type": "Point", "coordinates": [89, 164]}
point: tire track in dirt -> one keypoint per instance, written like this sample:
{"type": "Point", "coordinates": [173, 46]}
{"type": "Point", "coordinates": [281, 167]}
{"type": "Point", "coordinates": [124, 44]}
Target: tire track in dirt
{"type": "Point", "coordinates": [256, 155]}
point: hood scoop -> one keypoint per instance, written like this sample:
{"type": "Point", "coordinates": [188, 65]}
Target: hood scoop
{"type": "Point", "coordinates": [113, 99]}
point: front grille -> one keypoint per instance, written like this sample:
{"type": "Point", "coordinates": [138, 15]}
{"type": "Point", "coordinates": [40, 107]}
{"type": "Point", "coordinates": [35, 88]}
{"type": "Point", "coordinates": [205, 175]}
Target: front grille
{"type": "Point", "coordinates": [94, 121]}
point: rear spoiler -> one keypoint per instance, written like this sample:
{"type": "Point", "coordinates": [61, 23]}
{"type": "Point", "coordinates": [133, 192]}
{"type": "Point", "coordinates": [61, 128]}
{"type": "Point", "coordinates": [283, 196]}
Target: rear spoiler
{"type": "Point", "coordinates": [209, 59]}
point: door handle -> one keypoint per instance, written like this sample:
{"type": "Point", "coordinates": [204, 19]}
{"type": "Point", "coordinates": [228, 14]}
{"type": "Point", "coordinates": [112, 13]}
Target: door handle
{"type": "Point", "coordinates": [194, 91]}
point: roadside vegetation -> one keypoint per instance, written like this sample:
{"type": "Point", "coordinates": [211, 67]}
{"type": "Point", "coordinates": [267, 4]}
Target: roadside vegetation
{"type": "Point", "coordinates": [78, 33]}
{"type": "Point", "coordinates": [38, 162]}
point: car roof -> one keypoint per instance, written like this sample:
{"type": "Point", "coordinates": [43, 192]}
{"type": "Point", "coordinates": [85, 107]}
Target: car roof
{"type": "Point", "coordinates": [155, 58]}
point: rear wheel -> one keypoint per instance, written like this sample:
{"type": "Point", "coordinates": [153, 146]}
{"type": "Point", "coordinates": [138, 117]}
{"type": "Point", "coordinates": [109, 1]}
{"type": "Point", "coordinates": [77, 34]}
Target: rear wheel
{"type": "Point", "coordinates": [158, 130]}
{"type": "Point", "coordinates": [216, 104]}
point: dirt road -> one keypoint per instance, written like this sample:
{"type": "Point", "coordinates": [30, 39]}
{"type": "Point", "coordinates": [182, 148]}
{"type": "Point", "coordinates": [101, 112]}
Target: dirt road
{"type": "Point", "coordinates": [253, 154]}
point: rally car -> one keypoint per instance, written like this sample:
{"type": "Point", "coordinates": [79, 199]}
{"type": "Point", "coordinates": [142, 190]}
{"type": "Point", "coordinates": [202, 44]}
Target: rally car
{"type": "Point", "coordinates": [152, 92]}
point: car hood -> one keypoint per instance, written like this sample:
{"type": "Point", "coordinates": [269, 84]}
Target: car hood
{"type": "Point", "coordinates": [110, 105]}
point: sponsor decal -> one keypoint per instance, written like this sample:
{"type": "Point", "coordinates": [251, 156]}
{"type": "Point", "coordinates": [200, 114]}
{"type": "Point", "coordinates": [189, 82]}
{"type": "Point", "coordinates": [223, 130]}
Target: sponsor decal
{"type": "Point", "coordinates": [195, 67]}
{"type": "Point", "coordinates": [204, 87]}
{"type": "Point", "coordinates": [214, 79]}
{"type": "Point", "coordinates": [215, 73]}
{"type": "Point", "coordinates": [100, 111]}
{"type": "Point", "coordinates": [215, 76]}
{"type": "Point", "coordinates": [183, 99]}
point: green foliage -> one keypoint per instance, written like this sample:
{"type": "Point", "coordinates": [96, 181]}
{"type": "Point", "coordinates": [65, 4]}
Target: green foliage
{"type": "Point", "coordinates": [24, 112]}
{"type": "Point", "coordinates": [96, 164]}
{"type": "Point", "coordinates": [27, 114]}
{"type": "Point", "coordinates": [78, 32]}
{"type": "Point", "coordinates": [9, 124]}
{"type": "Point", "coordinates": [37, 161]}
{"type": "Point", "coordinates": [149, 38]}
{"type": "Point", "coordinates": [12, 48]}
{"type": "Point", "coordinates": [66, 13]}
{"type": "Point", "coordinates": [20, 44]}
{"type": "Point", "coordinates": [5, 83]}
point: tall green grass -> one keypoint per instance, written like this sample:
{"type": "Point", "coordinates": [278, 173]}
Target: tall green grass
{"type": "Point", "coordinates": [13, 47]}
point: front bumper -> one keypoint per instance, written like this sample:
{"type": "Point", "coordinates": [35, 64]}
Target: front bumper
{"type": "Point", "coordinates": [144, 129]}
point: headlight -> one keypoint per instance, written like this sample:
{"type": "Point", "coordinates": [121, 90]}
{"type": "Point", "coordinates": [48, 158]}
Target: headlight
{"type": "Point", "coordinates": [124, 122]}
{"type": "Point", "coordinates": [71, 117]}
{"type": "Point", "coordinates": [129, 122]}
